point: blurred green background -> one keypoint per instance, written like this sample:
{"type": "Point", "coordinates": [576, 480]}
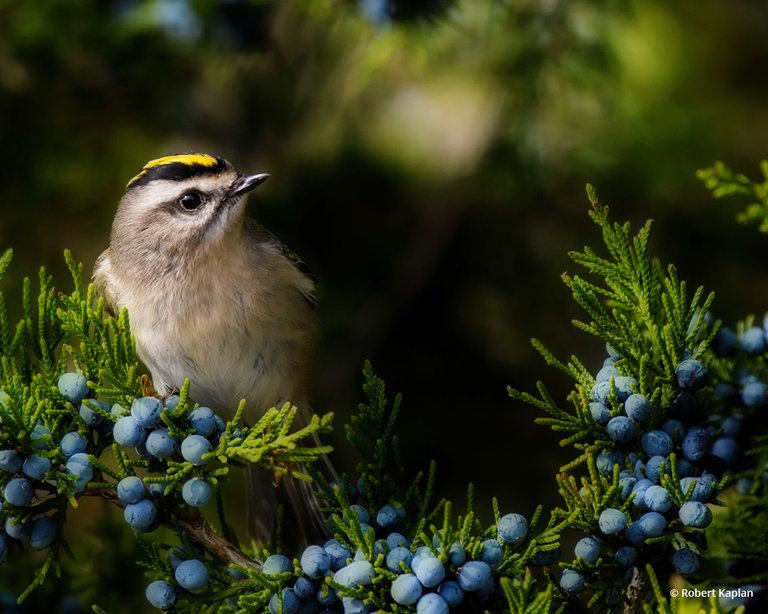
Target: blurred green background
{"type": "Point", "coordinates": [428, 161]}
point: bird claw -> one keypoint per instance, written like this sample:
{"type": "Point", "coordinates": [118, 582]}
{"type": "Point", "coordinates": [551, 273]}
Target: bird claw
{"type": "Point", "coordinates": [148, 390]}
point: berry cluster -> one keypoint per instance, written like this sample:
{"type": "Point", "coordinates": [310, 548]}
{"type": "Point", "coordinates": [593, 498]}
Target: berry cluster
{"type": "Point", "coordinates": [29, 473]}
{"type": "Point", "coordinates": [157, 435]}
{"type": "Point", "coordinates": [143, 430]}
{"type": "Point", "coordinates": [672, 461]}
{"type": "Point", "coordinates": [743, 391]}
{"type": "Point", "coordinates": [191, 438]}
{"type": "Point", "coordinates": [740, 397]}
{"type": "Point", "coordinates": [150, 431]}
{"type": "Point", "coordinates": [24, 482]}
{"type": "Point", "coordinates": [189, 573]}
{"type": "Point", "coordinates": [431, 579]}
{"type": "Point", "coordinates": [670, 465]}
{"type": "Point", "coordinates": [32, 473]}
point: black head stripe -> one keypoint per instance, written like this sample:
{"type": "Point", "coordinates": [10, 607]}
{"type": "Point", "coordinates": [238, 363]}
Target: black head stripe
{"type": "Point", "coordinates": [179, 168]}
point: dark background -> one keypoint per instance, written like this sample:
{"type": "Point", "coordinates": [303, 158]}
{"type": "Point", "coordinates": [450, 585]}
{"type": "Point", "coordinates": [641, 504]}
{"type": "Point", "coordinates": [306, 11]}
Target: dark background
{"type": "Point", "coordinates": [428, 162]}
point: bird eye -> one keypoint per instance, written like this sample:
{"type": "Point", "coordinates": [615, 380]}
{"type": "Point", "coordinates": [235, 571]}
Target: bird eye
{"type": "Point", "coordinates": [190, 201]}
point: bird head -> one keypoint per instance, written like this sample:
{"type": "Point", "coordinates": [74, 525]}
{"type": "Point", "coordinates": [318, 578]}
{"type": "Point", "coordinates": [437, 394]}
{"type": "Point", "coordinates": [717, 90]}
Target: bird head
{"type": "Point", "coordinates": [181, 202]}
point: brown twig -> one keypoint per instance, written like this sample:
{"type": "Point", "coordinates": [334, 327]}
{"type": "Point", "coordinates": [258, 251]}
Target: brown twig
{"type": "Point", "coordinates": [635, 591]}
{"type": "Point", "coordinates": [196, 526]}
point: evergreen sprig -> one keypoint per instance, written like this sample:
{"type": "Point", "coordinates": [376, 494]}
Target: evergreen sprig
{"type": "Point", "coordinates": [272, 444]}
{"type": "Point", "coordinates": [100, 345]}
{"type": "Point", "coordinates": [524, 595]}
{"type": "Point", "coordinates": [371, 432]}
{"type": "Point", "coordinates": [667, 355]}
{"type": "Point", "coordinates": [724, 182]}
{"type": "Point", "coordinates": [644, 314]}
{"type": "Point", "coordinates": [639, 308]}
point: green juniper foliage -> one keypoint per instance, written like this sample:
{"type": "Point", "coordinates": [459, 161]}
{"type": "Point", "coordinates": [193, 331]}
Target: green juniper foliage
{"type": "Point", "coordinates": [724, 182]}
{"type": "Point", "coordinates": [660, 433]}
{"type": "Point", "coordinates": [734, 530]}
{"type": "Point", "coordinates": [639, 475]}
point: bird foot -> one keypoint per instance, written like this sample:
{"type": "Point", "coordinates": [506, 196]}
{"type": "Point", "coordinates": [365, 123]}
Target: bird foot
{"type": "Point", "coordinates": [148, 390]}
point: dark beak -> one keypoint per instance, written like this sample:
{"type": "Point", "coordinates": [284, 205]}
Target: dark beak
{"type": "Point", "coordinates": [243, 185]}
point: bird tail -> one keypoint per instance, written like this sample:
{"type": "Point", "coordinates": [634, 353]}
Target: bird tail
{"type": "Point", "coordinates": [296, 501]}
{"type": "Point", "coordinates": [261, 504]}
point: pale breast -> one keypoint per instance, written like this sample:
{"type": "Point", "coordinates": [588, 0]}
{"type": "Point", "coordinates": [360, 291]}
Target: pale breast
{"type": "Point", "coordinates": [238, 325]}
{"type": "Point", "coordinates": [252, 342]}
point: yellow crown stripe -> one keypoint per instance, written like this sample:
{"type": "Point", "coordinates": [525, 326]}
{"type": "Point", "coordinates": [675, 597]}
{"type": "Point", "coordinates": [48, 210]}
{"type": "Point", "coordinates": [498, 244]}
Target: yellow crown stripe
{"type": "Point", "coordinates": [193, 159]}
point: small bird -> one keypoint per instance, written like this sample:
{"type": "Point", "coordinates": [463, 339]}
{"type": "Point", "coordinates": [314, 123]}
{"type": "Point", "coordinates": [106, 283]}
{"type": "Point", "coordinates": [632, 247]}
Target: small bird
{"type": "Point", "coordinates": [213, 297]}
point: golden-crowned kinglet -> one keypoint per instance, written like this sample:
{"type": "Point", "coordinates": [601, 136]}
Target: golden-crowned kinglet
{"type": "Point", "coordinates": [211, 295]}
